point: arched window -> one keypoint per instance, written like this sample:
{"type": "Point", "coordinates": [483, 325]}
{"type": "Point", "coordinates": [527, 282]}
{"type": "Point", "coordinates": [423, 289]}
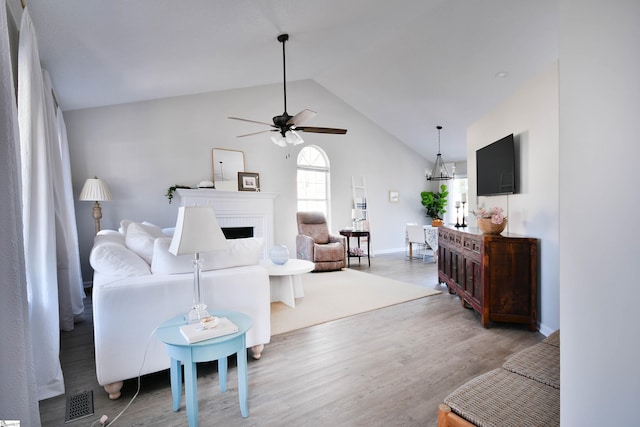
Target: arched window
{"type": "Point", "coordinates": [313, 180]}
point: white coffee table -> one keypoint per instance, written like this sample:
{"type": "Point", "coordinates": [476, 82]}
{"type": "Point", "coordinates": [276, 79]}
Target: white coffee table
{"type": "Point", "coordinates": [286, 284]}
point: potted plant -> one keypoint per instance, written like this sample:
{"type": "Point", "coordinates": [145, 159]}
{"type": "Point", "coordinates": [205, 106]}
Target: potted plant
{"type": "Point", "coordinates": [435, 203]}
{"type": "Point", "coordinates": [172, 189]}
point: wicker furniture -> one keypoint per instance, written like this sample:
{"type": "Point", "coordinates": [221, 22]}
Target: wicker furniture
{"type": "Point", "coordinates": [524, 392]}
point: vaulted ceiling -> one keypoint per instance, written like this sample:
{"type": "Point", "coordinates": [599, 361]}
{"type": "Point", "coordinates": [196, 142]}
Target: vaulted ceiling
{"type": "Point", "coordinates": [407, 65]}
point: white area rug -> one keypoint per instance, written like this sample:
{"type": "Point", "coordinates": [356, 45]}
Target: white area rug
{"type": "Point", "coordinates": [337, 294]}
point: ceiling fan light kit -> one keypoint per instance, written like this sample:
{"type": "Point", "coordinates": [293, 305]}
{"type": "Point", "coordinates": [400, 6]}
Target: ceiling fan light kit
{"type": "Point", "coordinates": [291, 138]}
{"type": "Point", "coordinates": [286, 125]}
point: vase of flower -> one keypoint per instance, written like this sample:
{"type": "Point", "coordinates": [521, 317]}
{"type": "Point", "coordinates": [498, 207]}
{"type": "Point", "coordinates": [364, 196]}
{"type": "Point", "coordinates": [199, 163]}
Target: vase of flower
{"type": "Point", "coordinates": [491, 221]}
{"type": "Point", "coordinates": [487, 227]}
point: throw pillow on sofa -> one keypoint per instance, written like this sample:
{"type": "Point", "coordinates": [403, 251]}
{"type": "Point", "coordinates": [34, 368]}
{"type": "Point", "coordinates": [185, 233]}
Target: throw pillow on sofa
{"type": "Point", "coordinates": [112, 258]}
{"type": "Point", "coordinates": [140, 238]}
{"type": "Point", "coordinates": [164, 262]}
{"type": "Point", "coordinates": [109, 236]}
{"type": "Point", "coordinates": [241, 252]}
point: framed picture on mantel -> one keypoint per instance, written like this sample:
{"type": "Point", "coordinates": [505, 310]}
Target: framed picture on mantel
{"type": "Point", "coordinates": [248, 181]}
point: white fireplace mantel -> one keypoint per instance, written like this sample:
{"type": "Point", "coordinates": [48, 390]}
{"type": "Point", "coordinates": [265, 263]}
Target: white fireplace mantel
{"type": "Point", "coordinates": [236, 209]}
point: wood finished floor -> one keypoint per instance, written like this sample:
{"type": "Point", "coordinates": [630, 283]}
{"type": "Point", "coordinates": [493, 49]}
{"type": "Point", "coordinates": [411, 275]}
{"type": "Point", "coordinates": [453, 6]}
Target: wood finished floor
{"type": "Point", "coordinates": [389, 367]}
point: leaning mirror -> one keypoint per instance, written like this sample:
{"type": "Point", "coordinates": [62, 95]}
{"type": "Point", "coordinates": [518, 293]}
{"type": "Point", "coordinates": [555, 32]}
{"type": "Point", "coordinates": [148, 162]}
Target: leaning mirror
{"type": "Point", "coordinates": [226, 165]}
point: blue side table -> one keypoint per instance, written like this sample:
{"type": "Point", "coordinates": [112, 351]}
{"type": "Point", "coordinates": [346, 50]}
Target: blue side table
{"type": "Point", "coordinates": [213, 349]}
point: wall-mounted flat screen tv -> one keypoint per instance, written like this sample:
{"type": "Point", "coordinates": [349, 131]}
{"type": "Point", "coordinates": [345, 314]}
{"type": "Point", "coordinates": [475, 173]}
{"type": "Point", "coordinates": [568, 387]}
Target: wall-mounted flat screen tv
{"type": "Point", "coordinates": [496, 168]}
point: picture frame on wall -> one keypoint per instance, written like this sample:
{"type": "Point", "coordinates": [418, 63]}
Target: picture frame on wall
{"type": "Point", "coordinates": [226, 165]}
{"type": "Point", "coordinates": [248, 181]}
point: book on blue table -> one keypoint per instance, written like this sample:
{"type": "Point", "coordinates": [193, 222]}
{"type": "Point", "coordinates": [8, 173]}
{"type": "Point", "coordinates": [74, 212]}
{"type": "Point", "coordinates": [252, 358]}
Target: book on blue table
{"type": "Point", "coordinates": [195, 332]}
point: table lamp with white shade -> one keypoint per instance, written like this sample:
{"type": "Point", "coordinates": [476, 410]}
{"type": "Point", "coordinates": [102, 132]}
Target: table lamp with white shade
{"type": "Point", "coordinates": [197, 231]}
{"type": "Point", "coordinates": [95, 190]}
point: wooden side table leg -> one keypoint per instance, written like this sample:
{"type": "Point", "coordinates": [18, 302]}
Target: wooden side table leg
{"type": "Point", "coordinates": [176, 383]}
{"type": "Point", "coordinates": [191, 392]}
{"type": "Point", "coordinates": [348, 251]}
{"type": "Point", "coordinates": [222, 373]}
{"type": "Point", "coordinates": [243, 380]}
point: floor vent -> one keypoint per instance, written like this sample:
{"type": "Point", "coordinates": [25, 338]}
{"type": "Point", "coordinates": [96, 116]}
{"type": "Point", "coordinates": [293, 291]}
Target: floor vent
{"type": "Point", "coordinates": [79, 406]}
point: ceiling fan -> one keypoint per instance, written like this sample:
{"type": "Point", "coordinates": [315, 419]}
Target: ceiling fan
{"type": "Point", "coordinates": [288, 126]}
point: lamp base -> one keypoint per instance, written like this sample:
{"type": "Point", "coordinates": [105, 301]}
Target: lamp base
{"type": "Point", "coordinates": [197, 313]}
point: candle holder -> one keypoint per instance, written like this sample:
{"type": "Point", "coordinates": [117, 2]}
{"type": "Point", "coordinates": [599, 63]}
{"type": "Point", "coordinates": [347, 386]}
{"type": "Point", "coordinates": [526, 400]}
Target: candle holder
{"type": "Point", "coordinates": [463, 223]}
{"type": "Point", "coordinates": [458, 225]}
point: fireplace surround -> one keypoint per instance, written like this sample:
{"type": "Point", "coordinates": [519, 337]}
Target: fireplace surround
{"type": "Point", "coordinates": [237, 209]}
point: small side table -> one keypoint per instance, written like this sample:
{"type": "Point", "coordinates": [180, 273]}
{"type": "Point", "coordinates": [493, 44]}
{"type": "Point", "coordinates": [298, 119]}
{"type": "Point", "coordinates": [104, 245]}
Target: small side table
{"type": "Point", "coordinates": [285, 281]}
{"type": "Point", "coordinates": [213, 349]}
{"type": "Point", "coordinates": [352, 233]}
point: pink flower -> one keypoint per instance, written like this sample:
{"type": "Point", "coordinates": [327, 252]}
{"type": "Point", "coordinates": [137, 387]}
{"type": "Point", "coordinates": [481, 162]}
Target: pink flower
{"type": "Point", "coordinates": [497, 218]}
{"type": "Point", "coordinates": [495, 214]}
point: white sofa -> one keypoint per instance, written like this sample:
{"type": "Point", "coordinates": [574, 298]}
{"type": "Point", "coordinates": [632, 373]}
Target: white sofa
{"type": "Point", "coordinates": [138, 284]}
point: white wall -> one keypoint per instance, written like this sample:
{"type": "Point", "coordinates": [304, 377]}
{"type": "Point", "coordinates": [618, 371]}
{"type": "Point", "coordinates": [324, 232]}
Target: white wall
{"type": "Point", "coordinates": [141, 149]}
{"type": "Point", "coordinates": [600, 201]}
{"type": "Point", "coordinates": [531, 114]}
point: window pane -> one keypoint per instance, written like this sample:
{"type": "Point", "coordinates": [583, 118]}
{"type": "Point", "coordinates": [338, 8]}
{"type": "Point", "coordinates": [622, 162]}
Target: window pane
{"type": "Point", "coordinates": [312, 184]}
{"type": "Point", "coordinates": [311, 206]}
{"type": "Point", "coordinates": [311, 156]}
{"type": "Point", "coordinates": [458, 186]}
{"type": "Point", "coordinates": [313, 180]}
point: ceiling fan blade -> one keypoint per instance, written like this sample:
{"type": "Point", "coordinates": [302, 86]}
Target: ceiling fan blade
{"type": "Point", "coordinates": [286, 124]}
{"type": "Point", "coordinates": [301, 117]}
{"type": "Point", "coordinates": [311, 129]}
{"type": "Point", "coordinates": [257, 133]}
{"type": "Point", "coordinates": [250, 121]}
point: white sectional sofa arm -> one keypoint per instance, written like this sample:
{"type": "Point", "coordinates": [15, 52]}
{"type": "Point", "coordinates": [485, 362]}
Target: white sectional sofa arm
{"type": "Point", "coordinates": [127, 311]}
{"type": "Point", "coordinates": [138, 284]}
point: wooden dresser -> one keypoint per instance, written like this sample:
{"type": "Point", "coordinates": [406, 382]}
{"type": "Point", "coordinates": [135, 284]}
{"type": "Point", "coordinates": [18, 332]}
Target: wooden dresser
{"type": "Point", "coordinates": [496, 275]}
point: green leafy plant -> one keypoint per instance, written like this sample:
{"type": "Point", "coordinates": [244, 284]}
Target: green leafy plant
{"type": "Point", "coordinates": [435, 202]}
{"type": "Point", "coordinates": [172, 189]}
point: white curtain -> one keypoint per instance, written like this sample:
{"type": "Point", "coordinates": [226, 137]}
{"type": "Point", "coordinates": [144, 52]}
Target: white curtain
{"type": "Point", "coordinates": [36, 143]}
{"type": "Point", "coordinates": [18, 385]}
{"type": "Point", "coordinates": [70, 289]}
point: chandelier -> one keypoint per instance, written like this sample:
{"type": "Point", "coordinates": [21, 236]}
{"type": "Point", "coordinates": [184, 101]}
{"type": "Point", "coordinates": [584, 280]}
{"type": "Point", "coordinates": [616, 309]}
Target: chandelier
{"type": "Point", "coordinates": [439, 171]}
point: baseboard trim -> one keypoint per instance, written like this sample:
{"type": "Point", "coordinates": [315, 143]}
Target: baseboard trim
{"type": "Point", "coordinates": [545, 330]}
{"type": "Point", "coordinates": [389, 251]}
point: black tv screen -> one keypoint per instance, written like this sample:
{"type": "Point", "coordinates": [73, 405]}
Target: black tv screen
{"type": "Point", "coordinates": [496, 168]}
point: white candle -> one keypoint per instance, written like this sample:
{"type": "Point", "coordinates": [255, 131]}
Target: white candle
{"type": "Point", "coordinates": [457, 204]}
{"type": "Point", "coordinates": [463, 197]}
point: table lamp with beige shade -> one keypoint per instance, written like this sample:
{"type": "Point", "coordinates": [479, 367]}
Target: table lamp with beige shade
{"type": "Point", "coordinates": [95, 190]}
